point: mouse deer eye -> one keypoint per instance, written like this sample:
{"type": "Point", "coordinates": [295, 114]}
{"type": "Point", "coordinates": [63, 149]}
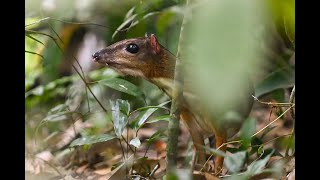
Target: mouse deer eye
{"type": "Point", "coordinates": [132, 48]}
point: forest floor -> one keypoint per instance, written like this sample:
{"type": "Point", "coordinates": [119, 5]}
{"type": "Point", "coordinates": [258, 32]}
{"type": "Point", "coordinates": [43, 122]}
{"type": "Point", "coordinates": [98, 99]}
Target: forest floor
{"type": "Point", "coordinates": [97, 161]}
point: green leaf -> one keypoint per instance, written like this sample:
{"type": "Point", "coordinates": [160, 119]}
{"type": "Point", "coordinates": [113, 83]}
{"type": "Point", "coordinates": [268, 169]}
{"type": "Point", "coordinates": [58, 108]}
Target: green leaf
{"type": "Point", "coordinates": [126, 23]}
{"type": "Point", "coordinates": [157, 135]}
{"type": "Point", "coordinates": [92, 139]}
{"type": "Point", "coordinates": [123, 86]}
{"type": "Point", "coordinates": [119, 115]}
{"type": "Point", "coordinates": [145, 114]}
{"type": "Point", "coordinates": [165, 117]}
{"type": "Point", "coordinates": [135, 142]}
{"type": "Point", "coordinates": [257, 166]}
{"type": "Point", "coordinates": [247, 130]}
{"type": "Point", "coordinates": [124, 107]}
{"type": "Point", "coordinates": [281, 78]}
{"type": "Point", "coordinates": [235, 161]}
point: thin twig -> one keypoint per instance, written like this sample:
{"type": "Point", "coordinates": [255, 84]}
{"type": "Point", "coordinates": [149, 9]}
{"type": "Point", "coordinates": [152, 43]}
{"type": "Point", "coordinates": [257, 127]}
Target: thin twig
{"type": "Point", "coordinates": [124, 157]}
{"type": "Point", "coordinates": [83, 75]}
{"type": "Point", "coordinates": [127, 143]}
{"type": "Point", "coordinates": [273, 104]}
{"type": "Point", "coordinates": [273, 121]}
{"type": "Point", "coordinates": [275, 139]}
{"type": "Point", "coordinates": [55, 40]}
{"type": "Point", "coordinates": [70, 22]}
{"type": "Point", "coordinates": [30, 52]}
{"type": "Point", "coordinates": [29, 36]}
{"type": "Point", "coordinates": [87, 85]}
{"type": "Point", "coordinates": [36, 32]}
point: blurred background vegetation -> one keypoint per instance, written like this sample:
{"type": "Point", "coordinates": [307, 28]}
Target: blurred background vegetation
{"type": "Point", "coordinates": [225, 40]}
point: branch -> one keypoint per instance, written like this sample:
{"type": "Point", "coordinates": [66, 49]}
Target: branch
{"type": "Point", "coordinates": [273, 104]}
{"type": "Point", "coordinates": [177, 96]}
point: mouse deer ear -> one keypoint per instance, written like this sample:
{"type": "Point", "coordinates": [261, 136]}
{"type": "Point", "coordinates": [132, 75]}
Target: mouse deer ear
{"type": "Point", "coordinates": [155, 46]}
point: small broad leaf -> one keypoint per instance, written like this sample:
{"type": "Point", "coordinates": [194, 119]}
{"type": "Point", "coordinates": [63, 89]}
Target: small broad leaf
{"type": "Point", "coordinates": [135, 142]}
{"type": "Point", "coordinates": [235, 161]}
{"type": "Point", "coordinates": [130, 12]}
{"type": "Point", "coordinates": [123, 86]}
{"type": "Point", "coordinates": [247, 131]}
{"type": "Point", "coordinates": [119, 116]}
{"type": "Point", "coordinates": [281, 78]}
{"type": "Point", "coordinates": [257, 166]}
{"type": "Point", "coordinates": [92, 139]}
{"type": "Point", "coordinates": [126, 23]}
{"type": "Point", "coordinates": [165, 117]}
{"type": "Point", "coordinates": [157, 135]}
{"type": "Point", "coordinates": [145, 114]}
{"type": "Point", "coordinates": [124, 107]}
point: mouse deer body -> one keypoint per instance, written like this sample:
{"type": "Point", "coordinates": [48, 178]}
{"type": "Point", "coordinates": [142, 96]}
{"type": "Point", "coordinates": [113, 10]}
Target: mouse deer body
{"type": "Point", "coordinates": [146, 58]}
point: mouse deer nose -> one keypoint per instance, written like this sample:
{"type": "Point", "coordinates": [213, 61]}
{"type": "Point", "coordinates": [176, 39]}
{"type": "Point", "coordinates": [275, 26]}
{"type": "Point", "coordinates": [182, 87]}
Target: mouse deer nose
{"type": "Point", "coordinates": [96, 56]}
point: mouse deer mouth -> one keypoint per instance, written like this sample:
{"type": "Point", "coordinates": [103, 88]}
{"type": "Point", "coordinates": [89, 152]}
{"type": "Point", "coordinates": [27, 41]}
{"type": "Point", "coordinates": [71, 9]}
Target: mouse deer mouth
{"type": "Point", "coordinates": [97, 56]}
{"type": "Point", "coordinates": [102, 58]}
